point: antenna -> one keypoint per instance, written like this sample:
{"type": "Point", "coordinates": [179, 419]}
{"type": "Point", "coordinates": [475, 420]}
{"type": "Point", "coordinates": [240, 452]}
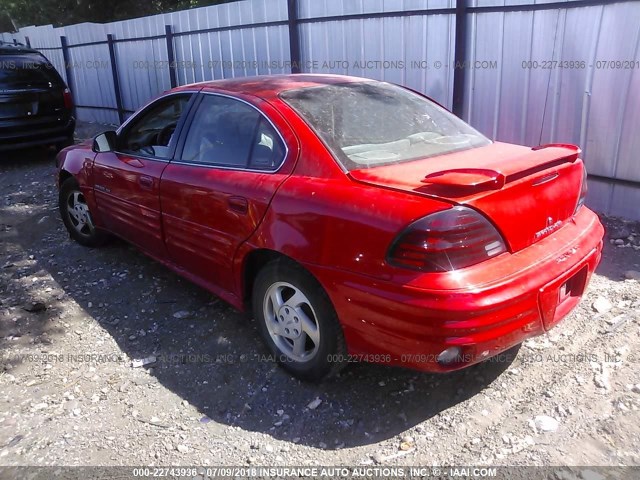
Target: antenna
{"type": "Point", "coordinates": [546, 97]}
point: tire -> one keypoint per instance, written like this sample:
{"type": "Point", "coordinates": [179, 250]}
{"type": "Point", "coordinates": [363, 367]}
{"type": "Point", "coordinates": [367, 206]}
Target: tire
{"type": "Point", "coordinates": [76, 216]}
{"type": "Point", "coordinates": [298, 322]}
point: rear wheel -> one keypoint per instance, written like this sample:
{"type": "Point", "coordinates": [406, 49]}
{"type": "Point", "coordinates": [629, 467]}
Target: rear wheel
{"type": "Point", "coordinates": [298, 321]}
{"type": "Point", "coordinates": [76, 216]}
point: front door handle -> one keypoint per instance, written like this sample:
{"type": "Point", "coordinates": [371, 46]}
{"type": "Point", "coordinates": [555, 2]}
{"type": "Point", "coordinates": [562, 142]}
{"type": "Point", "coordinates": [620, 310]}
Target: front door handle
{"type": "Point", "coordinates": [238, 204]}
{"type": "Point", "coordinates": [146, 181]}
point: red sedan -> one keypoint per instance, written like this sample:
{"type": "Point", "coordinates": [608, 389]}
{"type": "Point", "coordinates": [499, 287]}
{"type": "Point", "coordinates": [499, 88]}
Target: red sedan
{"type": "Point", "coordinates": [356, 219]}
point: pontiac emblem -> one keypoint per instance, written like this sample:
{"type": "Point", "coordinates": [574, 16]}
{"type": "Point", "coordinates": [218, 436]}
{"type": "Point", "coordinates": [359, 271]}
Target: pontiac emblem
{"type": "Point", "coordinates": [550, 227]}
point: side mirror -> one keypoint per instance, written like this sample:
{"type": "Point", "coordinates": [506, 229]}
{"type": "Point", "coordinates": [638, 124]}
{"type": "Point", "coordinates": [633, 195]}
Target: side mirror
{"type": "Point", "coordinates": [105, 142]}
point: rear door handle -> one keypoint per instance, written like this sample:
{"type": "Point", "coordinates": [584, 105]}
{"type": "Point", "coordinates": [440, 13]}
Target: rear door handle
{"type": "Point", "coordinates": [238, 204]}
{"type": "Point", "coordinates": [146, 181]}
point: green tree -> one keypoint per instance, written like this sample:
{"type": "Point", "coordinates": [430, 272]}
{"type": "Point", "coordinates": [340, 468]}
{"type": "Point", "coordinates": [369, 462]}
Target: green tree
{"type": "Point", "coordinates": [19, 13]}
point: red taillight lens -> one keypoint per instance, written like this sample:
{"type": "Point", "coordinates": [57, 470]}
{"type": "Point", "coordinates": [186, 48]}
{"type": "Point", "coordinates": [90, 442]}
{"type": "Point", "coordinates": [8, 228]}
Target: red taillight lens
{"type": "Point", "coordinates": [446, 241]}
{"type": "Point", "coordinates": [583, 189]}
{"type": "Point", "coordinates": [68, 99]}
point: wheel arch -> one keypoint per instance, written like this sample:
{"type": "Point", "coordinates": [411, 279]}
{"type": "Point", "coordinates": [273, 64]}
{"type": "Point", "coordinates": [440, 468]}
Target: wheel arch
{"type": "Point", "coordinates": [328, 354]}
{"type": "Point", "coordinates": [63, 176]}
{"type": "Point", "coordinates": [254, 261]}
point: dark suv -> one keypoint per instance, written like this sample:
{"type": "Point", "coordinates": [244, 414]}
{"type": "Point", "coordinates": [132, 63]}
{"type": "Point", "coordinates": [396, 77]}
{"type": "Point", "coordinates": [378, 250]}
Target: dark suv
{"type": "Point", "coordinates": [36, 107]}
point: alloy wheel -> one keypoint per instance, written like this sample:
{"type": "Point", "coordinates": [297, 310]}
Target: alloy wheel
{"type": "Point", "coordinates": [291, 321]}
{"type": "Point", "coordinates": [79, 215]}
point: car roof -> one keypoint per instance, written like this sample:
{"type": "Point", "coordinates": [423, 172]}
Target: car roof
{"type": "Point", "coordinates": [270, 86]}
{"type": "Point", "coordinates": [7, 48]}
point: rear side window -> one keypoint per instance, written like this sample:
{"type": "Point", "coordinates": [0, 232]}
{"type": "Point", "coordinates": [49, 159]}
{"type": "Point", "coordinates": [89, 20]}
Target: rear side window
{"type": "Point", "coordinates": [229, 133]}
{"type": "Point", "coordinates": [29, 70]}
{"type": "Point", "coordinates": [268, 151]}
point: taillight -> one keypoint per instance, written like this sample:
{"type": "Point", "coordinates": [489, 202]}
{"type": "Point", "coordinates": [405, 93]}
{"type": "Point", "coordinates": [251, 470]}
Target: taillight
{"type": "Point", "coordinates": [583, 189]}
{"type": "Point", "coordinates": [444, 241]}
{"type": "Point", "coordinates": [68, 99]}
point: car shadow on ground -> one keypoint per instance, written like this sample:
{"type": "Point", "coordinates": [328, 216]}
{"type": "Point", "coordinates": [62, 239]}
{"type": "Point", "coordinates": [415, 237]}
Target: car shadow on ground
{"type": "Point", "coordinates": [212, 356]}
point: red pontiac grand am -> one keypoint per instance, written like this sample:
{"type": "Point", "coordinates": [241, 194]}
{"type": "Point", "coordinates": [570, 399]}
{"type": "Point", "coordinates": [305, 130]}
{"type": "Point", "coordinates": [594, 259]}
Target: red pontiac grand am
{"type": "Point", "coordinates": [356, 219]}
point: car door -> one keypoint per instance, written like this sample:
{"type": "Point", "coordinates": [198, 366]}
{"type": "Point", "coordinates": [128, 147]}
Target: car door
{"type": "Point", "coordinates": [217, 189]}
{"type": "Point", "coordinates": [127, 181]}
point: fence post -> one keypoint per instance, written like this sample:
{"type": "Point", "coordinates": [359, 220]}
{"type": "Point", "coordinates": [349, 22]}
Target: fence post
{"type": "Point", "coordinates": [26, 39]}
{"type": "Point", "coordinates": [67, 70]}
{"type": "Point", "coordinates": [294, 36]}
{"type": "Point", "coordinates": [114, 73]}
{"type": "Point", "coordinates": [460, 56]}
{"type": "Point", "coordinates": [173, 77]}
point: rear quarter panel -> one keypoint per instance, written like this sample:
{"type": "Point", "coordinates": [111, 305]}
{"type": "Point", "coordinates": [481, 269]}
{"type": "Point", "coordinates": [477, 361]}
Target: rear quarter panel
{"type": "Point", "coordinates": [333, 226]}
{"type": "Point", "coordinates": [337, 223]}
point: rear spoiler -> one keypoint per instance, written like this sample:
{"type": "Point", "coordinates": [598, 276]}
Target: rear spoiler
{"type": "Point", "coordinates": [577, 151]}
{"type": "Point", "coordinates": [477, 179]}
{"type": "Point", "coordinates": [467, 178]}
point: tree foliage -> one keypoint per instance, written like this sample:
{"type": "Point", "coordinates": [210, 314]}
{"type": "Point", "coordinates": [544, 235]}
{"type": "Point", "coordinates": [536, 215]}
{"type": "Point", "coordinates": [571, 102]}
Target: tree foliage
{"type": "Point", "coordinates": [19, 13]}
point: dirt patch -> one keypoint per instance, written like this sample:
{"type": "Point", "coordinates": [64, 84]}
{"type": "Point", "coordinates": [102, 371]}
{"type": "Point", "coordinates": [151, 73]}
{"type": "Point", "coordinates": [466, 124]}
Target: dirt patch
{"type": "Point", "coordinates": [107, 358]}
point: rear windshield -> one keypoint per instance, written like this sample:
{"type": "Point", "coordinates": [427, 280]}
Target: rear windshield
{"type": "Point", "coordinates": [370, 124]}
{"type": "Point", "coordinates": [23, 71]}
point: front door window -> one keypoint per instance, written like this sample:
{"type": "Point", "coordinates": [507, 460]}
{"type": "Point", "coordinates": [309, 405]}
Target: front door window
{"type": "Point", "coordinates": [152, 133]}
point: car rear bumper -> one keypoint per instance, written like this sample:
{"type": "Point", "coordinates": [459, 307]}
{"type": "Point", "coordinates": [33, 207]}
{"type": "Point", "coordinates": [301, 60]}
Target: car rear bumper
{"type": "Point", "coordinates": [523, 295]}
{"type": "Point", "coordinates": [15, 137]}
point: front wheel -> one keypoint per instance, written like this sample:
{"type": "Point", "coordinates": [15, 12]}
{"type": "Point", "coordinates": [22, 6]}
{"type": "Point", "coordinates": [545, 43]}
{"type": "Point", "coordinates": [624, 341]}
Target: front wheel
{"type": "Point", "coordinates": [298, 322]}
{"type": "Point", "coordinates": [76, 216]}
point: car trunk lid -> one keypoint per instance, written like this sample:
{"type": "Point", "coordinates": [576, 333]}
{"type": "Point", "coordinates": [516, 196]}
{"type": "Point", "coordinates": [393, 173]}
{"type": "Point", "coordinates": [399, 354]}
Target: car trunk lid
{"type": "Point", "coordinates": [527, 193]}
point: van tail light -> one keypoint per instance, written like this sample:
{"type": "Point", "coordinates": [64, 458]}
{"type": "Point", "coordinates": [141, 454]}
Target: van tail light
{"type": "Point", "coordinates": [444, 241]}
{"type": "Point", "coordinates": [583, 189]}
{"type": "Point", "coordinates": [68, 99]}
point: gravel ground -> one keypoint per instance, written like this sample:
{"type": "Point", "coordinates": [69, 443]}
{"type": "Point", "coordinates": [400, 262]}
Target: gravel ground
{"type": "Point", "coordinates": [75, 324]}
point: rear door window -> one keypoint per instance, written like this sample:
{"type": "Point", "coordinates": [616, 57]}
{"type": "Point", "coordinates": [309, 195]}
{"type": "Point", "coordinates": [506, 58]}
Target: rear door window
{"type": "Point", "coordinates": [229, 133]}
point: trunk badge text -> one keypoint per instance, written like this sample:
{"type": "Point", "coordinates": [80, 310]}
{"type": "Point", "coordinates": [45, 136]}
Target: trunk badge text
{"type": "Point", "coordinates": [565, 256]}
{"type": "Point", "coordinates": [551, 226]}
